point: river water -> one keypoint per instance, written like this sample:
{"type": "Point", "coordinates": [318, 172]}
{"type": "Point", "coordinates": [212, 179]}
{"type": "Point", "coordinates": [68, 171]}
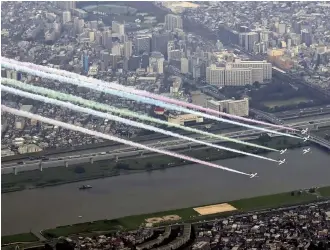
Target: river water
{"type": "Point", "coordinates": [180, 187]}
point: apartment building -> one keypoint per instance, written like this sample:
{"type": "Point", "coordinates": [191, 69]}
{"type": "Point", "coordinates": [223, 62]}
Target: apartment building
{"type": "Point", "coordinates": [173, 22]}
{"type": "Point", "coordinates": [215, 75]}
{"type": "Point", "coordinates": [237, 76]}
{"type": "Point", "coordinates": [233, 107]}
{"type": "Point", "coordinates": [264, 65]}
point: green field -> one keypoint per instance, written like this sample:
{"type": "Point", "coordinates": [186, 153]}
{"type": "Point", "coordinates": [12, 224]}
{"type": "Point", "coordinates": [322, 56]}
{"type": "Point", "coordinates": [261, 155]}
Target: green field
{"type": "Point", "coordinates": [324, 191]}
{"type": "Point", "coordinates": [280, 103]}
{"type": "Point", "coordinates": [26, 237]}
{"type": "Point", "coordinates": [187, 214]}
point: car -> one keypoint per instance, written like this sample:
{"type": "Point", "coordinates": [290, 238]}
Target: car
{"type": "Point", "coordinates": [20, 162]}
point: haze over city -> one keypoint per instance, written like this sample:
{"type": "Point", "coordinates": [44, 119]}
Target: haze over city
{"type": "Point", "coordinates": [165, 125]}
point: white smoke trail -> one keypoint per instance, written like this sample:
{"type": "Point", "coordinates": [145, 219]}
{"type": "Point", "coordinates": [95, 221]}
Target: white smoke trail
{"type": "Point", "coordinates": [116, 86]}
{"type": "Point", "coordinates": [99, 87]}
{"type": "Point", "coordinates": [123, 120]}
{"type": "Point", "coordinates": [112, 138]}
{"type": "Point", "coordinates": [95, 105]}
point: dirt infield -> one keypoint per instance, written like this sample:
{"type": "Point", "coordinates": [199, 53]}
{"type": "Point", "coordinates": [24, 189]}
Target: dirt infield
{"type": "Point", "coordinates": [214, 209]}
{"type": "Point", "coordinates": [155, 220]}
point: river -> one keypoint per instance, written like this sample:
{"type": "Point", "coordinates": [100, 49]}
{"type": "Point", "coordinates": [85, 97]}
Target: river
{"type": "Point", "coordinates": [179, 187]}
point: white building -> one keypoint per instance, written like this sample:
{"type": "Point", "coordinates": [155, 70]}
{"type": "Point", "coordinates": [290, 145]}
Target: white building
{"type": "Point", "coordinates": [238, 107]}
{"type": "Point", "coordinates": [182, 119]}
{"type": "Point", "coordinates": [173, 22]}
{"type": "Point", "coordinates": [66, 16]}
{"type": "Point", "coordinates": [233, 107]}
{"type": "Point", "coordinates": [215, 75]}
{"type": "Point", "coordinates": [128, 49]}
{"type": "Point", "coordinates": [116, 49]}
{"type": "Point", "coordinates": [156, 62]}
{"type": "Point", "coordinates": [264, 65]}
{"type": "Point", "coordinates": [118, 28]}
{"type": "Point", "coordinates": [238, 76]}
{"type": "Point", "coordinates": [184, 65]}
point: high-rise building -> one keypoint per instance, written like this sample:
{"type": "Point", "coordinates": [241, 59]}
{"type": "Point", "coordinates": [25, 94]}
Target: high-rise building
{"type": "Point", "coordinates": [248, 40]}
{"type": "Point", "coordinates": [128, 49]}
{"type": "Point", "coordinates": [66, 16]}
{"type": "Point", "coordinates": [105, 57]}
{"type": "Point", "coordinates": [143, 44]}
{"type": "Point", "coordinates": [66, 5]}
{"type": "Point", "coordinates": [78, 25]}
{"type": "Point", "coordinates": [156, 62]}
{"type": "Point", "coordinates": [306, 37]}
{"type": "Point", "coordinates": [281, 28]}
{"type": "Point", "coordinates": [145, 61]}
{"type": "Point", "coordinates": [159, 42]}
{"type": "Point", "coordinates": [116, 49]}
{"type": "Point", "coordinates": [134, 63]}
{"type": "Point", "coordinates": [175, 55]}
{"type": "Point", "coordinates": [184, 65]}
{"type": "Point", "coordinates": [93, 25]}
{"type": "Point", "coordinates": [118, 28]}
{"type": "Point", "coordinates": [85, 61]}
{"type": "Point", "coordinates": [107, 39]}
{"type": "Point", "coordinates": [173, 22]}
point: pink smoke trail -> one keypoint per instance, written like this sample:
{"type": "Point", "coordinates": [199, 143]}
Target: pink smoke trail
{"type": "Point", "coordinates": [113, 138]}
{"type": "Point", "coordinates": [144, 93]}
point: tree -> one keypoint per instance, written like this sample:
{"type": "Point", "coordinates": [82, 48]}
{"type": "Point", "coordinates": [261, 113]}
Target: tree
{"type": "Point", "coordinates": [264, 138]}
{"type": "Point", "coordinates": [256, 84]}
{"type": "Point", "coordinates": [122, 165]}
{"type": "Point", "coordinates": [149, 166]}
{"type": "Point", "coordinates": [79, 170]}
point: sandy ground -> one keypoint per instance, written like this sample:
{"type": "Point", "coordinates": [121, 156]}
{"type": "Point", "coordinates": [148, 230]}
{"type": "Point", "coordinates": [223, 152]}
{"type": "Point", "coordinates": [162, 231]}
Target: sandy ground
{"type": "Point", "coordinates": [165, 218]}
{"type": "Point", "coordinates": [214, 209]}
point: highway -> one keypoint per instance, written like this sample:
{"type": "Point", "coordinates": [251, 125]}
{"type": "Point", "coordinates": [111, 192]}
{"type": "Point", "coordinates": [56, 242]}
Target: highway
{"type": "Point", "coordinates": [115, 152]}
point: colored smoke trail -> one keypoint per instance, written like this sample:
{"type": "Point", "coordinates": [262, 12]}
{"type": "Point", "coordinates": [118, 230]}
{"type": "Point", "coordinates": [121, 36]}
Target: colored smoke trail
{"type": "Point", "coordinates": [100, 106]}
{"type": "Point", "coordinates": [113, 138]}
{"type": "Point", "coordinates": [123, 120]}
{"type": "Point", "coordinates": [99, 87]}
{"type": "Point", "coordinates": [116, 86]}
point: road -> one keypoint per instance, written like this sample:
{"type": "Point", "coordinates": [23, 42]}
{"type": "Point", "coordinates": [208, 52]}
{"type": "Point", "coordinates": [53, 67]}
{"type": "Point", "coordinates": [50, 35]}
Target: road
{"type": "Point", "coordinates": [115, 152]}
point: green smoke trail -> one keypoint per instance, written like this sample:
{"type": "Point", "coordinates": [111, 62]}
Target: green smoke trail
{"type": "Point", "coordinates": [99, 106]}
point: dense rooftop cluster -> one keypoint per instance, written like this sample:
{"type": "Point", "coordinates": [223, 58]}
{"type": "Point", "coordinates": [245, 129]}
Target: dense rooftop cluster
{"type": "Point", "coordinates": [299, 227]}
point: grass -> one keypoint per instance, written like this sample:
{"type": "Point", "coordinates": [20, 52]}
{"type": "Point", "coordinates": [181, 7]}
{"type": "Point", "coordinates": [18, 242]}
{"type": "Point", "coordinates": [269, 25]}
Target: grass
{"type": "Point", "coordinates": [187, 214]}
{"type": "Point", "coordinates": [324, 191]}
{"type": "Point", "coordinates": [25, 237]}
{"type": "Point", "coordinates": [280, 103]}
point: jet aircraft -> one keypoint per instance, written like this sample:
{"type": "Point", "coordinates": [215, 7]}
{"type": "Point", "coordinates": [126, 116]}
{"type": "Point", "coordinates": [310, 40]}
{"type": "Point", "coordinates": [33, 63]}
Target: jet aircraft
{"type": "Point", "coordinates": [307, 150]}
{"type": "Point", "coordinates": [280, 162]}
{"type": "Point", "coordinates": [253, 175]}
{"type": "Point", "coordinates": [283, 151]}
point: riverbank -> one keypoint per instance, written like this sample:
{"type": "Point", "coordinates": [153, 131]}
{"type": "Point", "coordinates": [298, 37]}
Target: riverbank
{"type": "Point", "coordinates": [148, 162]}
{"type": "Point", "coordinates": [185, 214]}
